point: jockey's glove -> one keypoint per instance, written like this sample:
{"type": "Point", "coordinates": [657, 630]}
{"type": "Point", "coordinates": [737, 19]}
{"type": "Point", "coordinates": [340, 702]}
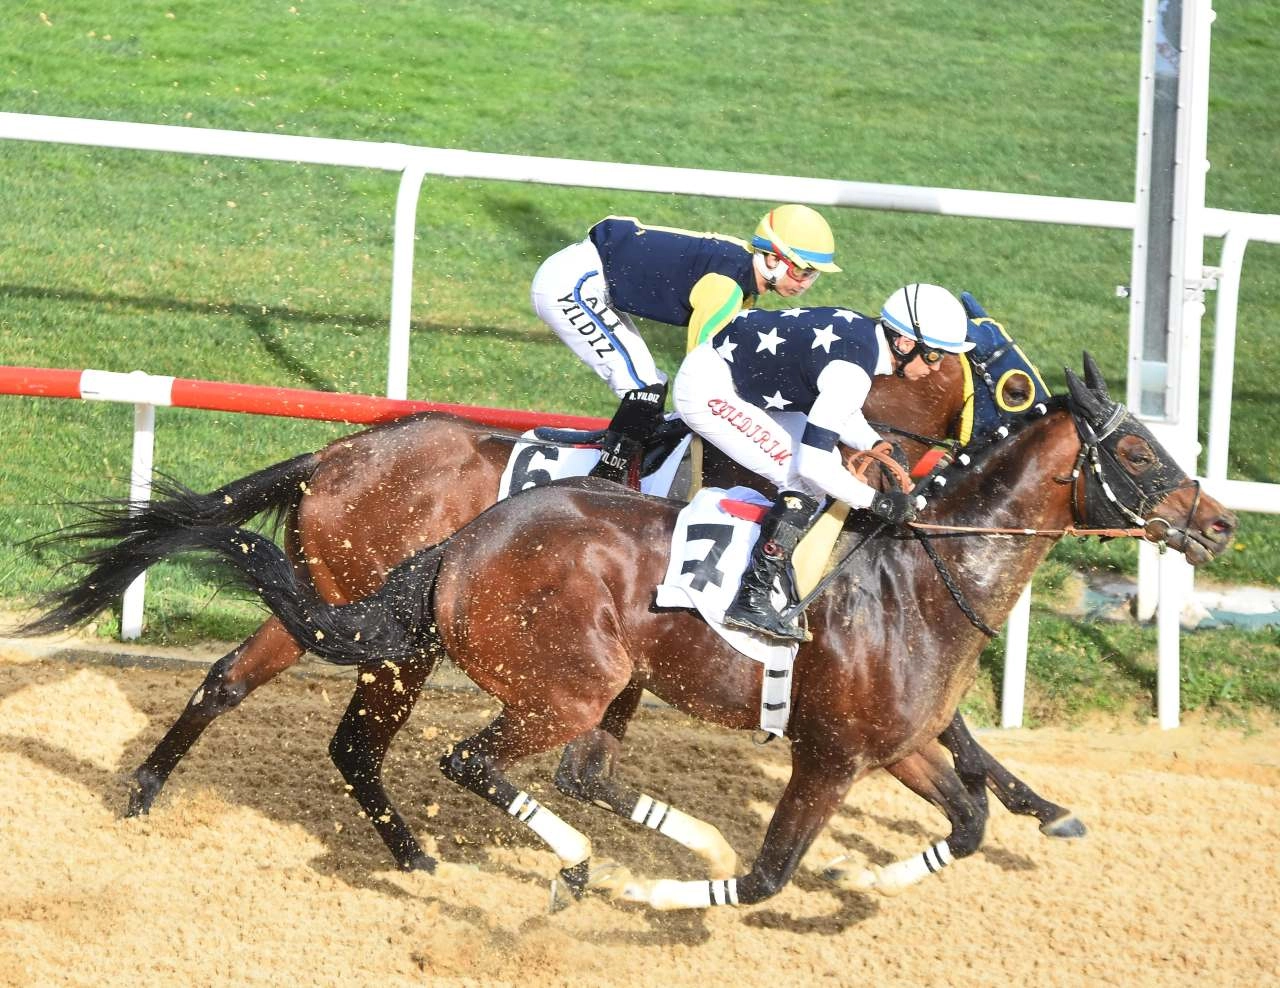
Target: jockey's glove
{"type": "Point", "coordinates": [893, 506]}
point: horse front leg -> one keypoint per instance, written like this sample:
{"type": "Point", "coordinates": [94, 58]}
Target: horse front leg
{"type": "Point", "coordinates": [972, 760]}
{"type": "Point", "coordinates": [586, 773]}
{"type": "Point", "coordinates": [928, 773]}
{"type": "Point", "coordinates": [807, 804]}
{"type": "Point", "coordinates": [383, 698]}
{"type": "Point", "coordinates": [478, 763]}
{"type": "Point", "coordinates": [264, 655]}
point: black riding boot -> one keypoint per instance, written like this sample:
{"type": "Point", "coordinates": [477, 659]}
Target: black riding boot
{"type": "Point", "coordinates": [770, 567]}
{"type": "Point", "coordinates": [633, 424]}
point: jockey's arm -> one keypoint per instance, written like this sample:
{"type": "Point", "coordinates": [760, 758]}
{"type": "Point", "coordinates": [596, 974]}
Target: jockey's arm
{"type": "Point", "coordinates": [716, 299]}
{"type": "Point", "coordinates": [836, 416]}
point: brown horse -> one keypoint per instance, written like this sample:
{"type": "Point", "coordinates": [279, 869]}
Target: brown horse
{"type": "Point", "coordinates": [362, 504]}
{"type": "Point", "coordinates": [546, 602]}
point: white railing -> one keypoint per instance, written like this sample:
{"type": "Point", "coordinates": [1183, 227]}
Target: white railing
{"type": "Point", "coordinates": [414, 163]}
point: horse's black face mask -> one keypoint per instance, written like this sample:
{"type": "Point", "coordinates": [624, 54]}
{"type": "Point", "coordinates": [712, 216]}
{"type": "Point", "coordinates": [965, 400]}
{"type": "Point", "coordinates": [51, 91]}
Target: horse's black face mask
{"type": "Point", "coordinates": [1127, 473]}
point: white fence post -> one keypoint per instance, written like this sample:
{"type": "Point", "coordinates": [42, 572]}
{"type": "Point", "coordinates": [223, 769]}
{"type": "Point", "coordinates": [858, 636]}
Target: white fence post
{"type": "Point", "coordinates": [1017, 633]}
{"type": "Point", "coordinates": [402, 278]}
{"type": "Point", "coordinates": [144, 442]}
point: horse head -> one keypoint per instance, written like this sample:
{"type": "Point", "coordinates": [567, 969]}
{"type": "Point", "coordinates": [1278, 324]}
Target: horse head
{"type": "Point", "coordinates": [1125, 477]}
{"type": "Point", "coordinates": [1010, 383]}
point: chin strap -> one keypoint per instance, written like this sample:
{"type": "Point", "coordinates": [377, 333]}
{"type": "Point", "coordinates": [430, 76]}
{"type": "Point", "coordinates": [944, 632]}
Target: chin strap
{"type": "Point", "coordinates": [770, 277]}
{"type": "Point", "coordinates": [899, 361]}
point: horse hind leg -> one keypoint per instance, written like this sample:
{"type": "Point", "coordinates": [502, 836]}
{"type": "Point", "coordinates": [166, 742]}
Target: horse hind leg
{"type": "Point", "coordinates": [586, 774]}
{"type": "Point", "coordinates": [383, 698]}
{"type": "Point", "coordinates": [977, 767]}
{"type": "Point", "coordinates": [928, 773]}
{"type": "Point", "coordinates": [257, 660]}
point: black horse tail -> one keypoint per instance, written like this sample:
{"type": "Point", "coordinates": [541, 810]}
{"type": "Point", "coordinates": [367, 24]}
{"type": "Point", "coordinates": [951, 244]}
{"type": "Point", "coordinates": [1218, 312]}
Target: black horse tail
{"type": "Point", "coordinates": [137, 531]}
{"type": "Point", "coordinates": [395, 623]}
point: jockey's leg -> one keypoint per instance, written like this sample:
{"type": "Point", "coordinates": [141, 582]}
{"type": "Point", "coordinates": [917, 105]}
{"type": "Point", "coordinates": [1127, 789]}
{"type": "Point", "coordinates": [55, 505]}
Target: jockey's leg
{"type": "Point", "coordinates": [769, 570]}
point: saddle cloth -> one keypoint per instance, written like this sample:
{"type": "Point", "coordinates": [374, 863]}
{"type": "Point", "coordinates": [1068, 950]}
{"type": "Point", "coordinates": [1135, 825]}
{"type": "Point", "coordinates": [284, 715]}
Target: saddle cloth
{"type": "Point", "coordinates": [709, 552]}
{"type": "Point", "coordinates": [533, 463]}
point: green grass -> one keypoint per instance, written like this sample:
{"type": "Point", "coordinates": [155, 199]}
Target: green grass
{"type": "Point", "coordinates": [278, 274]}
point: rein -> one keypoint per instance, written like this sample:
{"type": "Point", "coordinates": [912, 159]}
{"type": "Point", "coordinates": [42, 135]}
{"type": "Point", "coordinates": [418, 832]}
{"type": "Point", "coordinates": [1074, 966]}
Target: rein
{"type": "Point", "coordinates": [1102, 533]}
{"type": "Point", "coordinates": [1091, 453]}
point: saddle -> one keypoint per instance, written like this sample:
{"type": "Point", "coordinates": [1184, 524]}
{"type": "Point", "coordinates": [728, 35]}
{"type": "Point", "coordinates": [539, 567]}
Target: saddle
{"type": "Point", "coordinates": [661, 444]}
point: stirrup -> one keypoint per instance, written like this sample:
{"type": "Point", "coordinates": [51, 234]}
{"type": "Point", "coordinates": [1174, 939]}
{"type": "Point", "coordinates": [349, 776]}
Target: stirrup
{"type": "Point", "coordinates": [757, 623]}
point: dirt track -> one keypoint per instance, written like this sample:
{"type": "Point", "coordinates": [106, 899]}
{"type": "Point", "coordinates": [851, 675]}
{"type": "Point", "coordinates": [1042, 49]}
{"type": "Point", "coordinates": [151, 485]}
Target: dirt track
{"type": "Point", "coordinates": [254, 868]}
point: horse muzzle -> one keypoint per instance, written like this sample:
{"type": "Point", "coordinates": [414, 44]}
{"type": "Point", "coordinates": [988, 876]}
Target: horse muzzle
{"type": "Point", "coordinates": [1205, 537]}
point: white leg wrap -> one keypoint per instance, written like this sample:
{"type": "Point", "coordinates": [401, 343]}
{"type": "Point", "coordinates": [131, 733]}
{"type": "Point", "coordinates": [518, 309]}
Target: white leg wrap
{"type": "Point", "coordinates": [901, 874]}
{"type": "Point", "coordinates": [699, 837]}
{"type": "Point", "coordinates": [667, 893]}
{"type": "Point", "coordinates": [569, 845]}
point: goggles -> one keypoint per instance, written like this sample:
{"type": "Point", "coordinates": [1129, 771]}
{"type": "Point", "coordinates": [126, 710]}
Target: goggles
{"type": "Point", "coordinates": [797, 272]}
{"type": "Point", "coordinates": [929, 354]}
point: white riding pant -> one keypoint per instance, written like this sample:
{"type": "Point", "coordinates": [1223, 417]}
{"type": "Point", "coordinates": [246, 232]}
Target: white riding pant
{"type": "Point", "coordinates": [764, 442]}
{"type": "Point", "coordinates": [569, 294]}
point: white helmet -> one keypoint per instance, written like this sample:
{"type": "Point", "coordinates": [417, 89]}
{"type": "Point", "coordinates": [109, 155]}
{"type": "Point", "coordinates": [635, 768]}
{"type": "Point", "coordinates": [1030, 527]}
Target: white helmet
{"type": "Point", "coordinates": [930, 315]}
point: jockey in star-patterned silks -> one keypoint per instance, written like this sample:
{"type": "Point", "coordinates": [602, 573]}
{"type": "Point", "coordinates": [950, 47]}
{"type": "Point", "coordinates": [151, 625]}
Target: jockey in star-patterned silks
{"type": "Point", "coordinates": [818, 362]}
{"type": "Point", "coordinates": [589, 291]}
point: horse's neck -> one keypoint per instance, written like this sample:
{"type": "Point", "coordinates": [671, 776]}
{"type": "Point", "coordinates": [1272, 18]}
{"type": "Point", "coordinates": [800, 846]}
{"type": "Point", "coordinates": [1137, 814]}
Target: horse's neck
{"type": "Point", "coordinates": [1017, 484]}
{"type": "Point", "coordinates": [1023, 483]}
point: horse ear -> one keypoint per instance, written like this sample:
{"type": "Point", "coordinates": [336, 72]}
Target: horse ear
{"type": "Point", "coordinates": [1085, 398]}
{"type": "Point", "coordinates": [1092, 375]}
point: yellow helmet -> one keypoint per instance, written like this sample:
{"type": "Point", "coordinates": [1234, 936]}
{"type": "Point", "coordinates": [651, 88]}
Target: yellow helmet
{"type": "Point", "coordinates": [799, 234]}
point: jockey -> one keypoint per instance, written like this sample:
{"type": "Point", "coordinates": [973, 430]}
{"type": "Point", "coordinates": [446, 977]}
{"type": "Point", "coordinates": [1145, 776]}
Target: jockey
{"type": "Point", "coordinates": [589, 291]}
{"type": "Point", "coordinates": [818, 362]}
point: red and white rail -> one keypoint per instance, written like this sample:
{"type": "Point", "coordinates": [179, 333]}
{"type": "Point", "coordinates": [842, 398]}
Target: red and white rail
{"type": "Point", "coordinates": [146, 391]}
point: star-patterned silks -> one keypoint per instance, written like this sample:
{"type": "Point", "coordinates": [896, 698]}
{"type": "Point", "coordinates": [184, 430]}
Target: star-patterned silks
{"type": "Point", "coordinates": [792, 313]}
{"type": "Point", "coordinates": [726, 349]}
{"type": "Point", "coordinates": [769, 341]}
{"type": "Point", "coordinates": [776, 400]}
{"type": "Point", "coordinates": [848, 315]}
{"type": "Point", "coordinates": [824, 337]}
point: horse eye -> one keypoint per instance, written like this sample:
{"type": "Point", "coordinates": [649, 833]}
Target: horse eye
{"type": "Point", "coordinates": [1016, 395]}
{"type": "Point", "coordinates": [1141, 456]}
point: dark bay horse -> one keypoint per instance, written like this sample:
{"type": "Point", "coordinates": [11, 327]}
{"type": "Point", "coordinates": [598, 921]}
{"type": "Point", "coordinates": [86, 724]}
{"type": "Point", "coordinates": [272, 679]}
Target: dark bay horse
{"type": "Point", "coordinates": [359, 506]}
{"type": "Point", "coordinates": [546, 602]}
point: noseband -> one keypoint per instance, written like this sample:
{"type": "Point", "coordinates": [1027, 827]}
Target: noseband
{"type": "Point", "coordinates": [1098, 475]}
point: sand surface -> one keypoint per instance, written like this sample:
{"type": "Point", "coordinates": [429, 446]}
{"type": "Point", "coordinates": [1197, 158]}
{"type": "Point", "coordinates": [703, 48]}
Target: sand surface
{"type": "Point", "coordinates": [254, 868]}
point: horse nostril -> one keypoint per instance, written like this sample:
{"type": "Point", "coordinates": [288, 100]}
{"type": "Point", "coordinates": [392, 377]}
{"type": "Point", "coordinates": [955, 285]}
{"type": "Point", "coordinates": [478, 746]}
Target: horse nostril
{"type": "Point", "coordinates": [1222, 526]}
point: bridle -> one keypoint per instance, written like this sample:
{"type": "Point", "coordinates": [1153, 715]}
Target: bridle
{"type": "Point", "coordinates": [1098, 474]}
{"type": "Point", "coordinates": [1095, 478]}
{"type": "Point", "coordinates": [1096, 507]}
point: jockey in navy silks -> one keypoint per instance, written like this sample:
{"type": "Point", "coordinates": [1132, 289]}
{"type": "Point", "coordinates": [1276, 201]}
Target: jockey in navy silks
{"type": "Point", "coordinates": [818, 362]}
{"type": "Point", "coordinates": [589, 291]}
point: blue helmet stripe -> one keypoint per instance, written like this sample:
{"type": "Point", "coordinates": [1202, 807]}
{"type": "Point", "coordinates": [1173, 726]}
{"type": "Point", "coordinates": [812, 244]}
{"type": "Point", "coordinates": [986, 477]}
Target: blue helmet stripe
{"type": "Point", "coordinates": [812, 256]}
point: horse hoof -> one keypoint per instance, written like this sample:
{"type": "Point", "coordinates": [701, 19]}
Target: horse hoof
{"type": "Point", "coordinates": [610, 878]}
{"type": "Point", "coordinates": [561, 897]}
{"type": "Point", "coordinates": [570, 885]}
{"type": "Point", "coordinates": [143, 790]}
{"type": "Point", "coordinates": [1067, 826]}
{"type": "Point", "coordinates": [869, 879]}
{"type": "Point", "coordinates": [139, 802]}
{"type": "Point", "coordinates": [419, 861]}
